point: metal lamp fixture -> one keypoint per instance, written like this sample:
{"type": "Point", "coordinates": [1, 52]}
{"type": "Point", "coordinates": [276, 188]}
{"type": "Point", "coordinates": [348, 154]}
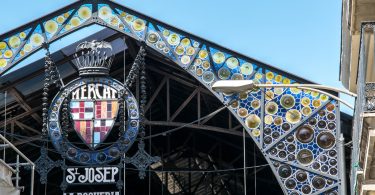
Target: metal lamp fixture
{"type": "Point", "coordinates": [235, 86]}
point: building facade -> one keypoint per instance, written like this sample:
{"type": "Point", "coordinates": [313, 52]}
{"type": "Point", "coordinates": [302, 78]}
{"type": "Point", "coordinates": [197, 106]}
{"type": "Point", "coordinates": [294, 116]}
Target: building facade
{"type": "Point", "coordinates": [358, 75]}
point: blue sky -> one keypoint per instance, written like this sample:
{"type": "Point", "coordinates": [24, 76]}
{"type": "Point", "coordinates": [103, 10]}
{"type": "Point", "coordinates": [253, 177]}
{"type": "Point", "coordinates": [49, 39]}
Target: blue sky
{"type": "Point", "coordinates": [301, 37]}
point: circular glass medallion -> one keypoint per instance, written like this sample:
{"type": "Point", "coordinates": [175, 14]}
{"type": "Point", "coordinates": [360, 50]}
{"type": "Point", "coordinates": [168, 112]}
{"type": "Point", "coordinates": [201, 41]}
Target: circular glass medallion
{"type": "Point", "coordinates": [285, 126]}
{"type": "Point", "coordinates": [287, 101]}
{"type": "Point", "coordinates": [255, 104]}
{"type": "Point", "coordinates": [242, 112]}
{"type": "Point", "coordinates": [330, 107]}
{"type": "Point", "coordinates": [237, 76]}
{"type": "Point", "coordinates": [246, 68]}
{"type": "Point", "coordinates": [280, 145]}
{"type": "Point", "coordinates": [185, 42]}
{"type": "Point", "coordinates": [243, 95]}
{"type": "Point", "coordinates": [278, 121]}
{"type": "Point", "coordinates": [190, 51]}
{"type": "Point", "coordinates": [318, 182]}
{"type": "Point", "coordinates": [275, 135]}
{"type": "Point", "coordinates": [160, 45]}
{"type": "Point", "coordinates": [285, 171]}
{"type": "Point", "coordinates": [268, 119]}
{"type": "Point", "coordinates": [312, 121]}
{"type": "Point", "coordinates": [305, 134]}
{"type": "Point", "coordinates": [306, 111]}
{"type": "Point", "coordinates": [72, 152]}
{"type": "Point", "coordinates": [333, 162]}
{"type": "Point", "coordinates": [316, 165]}
{"type": "Point", "coordinates": [185, 59]}
{"type": "Point", "coordinates": [232, 62]}
{"type": "Point", "coordinates": [218, 57]}
{"type": "Point", "coordinates": [234, 104]}
{"type": "Point", "coordinates": [206, 65]}
{"type": "Point", "coordinates": [101, 157]}
{"type": "Point", "coordinates": [332, 153]}
{"type": "Point", "coordinates": [36, 39]}
{"type": "Point", "coordinates": [173, 39]}
{"type": "Point", "coordinates": [305, 156]}
{"type": "Point", "coordinates": [324, 168]}
{"type": "Point", "coordinates": [301, 176]}
{"type": "Point", "coordinates": [322, 113]}
{"type": "Point", "coordinates": [271, 108]}
{"type": "Point", "coordinates": [15, 41]}
{"type": "Point", "coordinates": [323, 97]}
{"type": "Point", "coordinates": [51, 26]}
{"type": "Point", "coordinates": [114, 152]}
{"type": "Point", "coordinates": [85, 13]}
{"type": "Point", "coordinates": [291, 157]}
{"type": "Point", "coordinates": [331, 126]}
{"type": "Point", "coordinates": [224, 73]}
{"type": "Point", "coordinates": [269, 75]}
{"type": "Point", "coordinates": [291, 148]}
{"type": "Point", "coordinates": [325, 140]}
{"type": "Point", "coordinates": [293, 116]}
{"type": "Point", "coordinates": [267, 140]}
{"type": "Point", "coordinates": [306, 189]}
{"type": "Point", "coordinates": [199, 71]}
{"type": "Point", "coordinates": [104, 12]}
{"type": "Point", "coordinates": [305, 101]}
{"type": "Point", "coordinates": [273, 151]}
{"type": "Point", "coordinates": [290, 138]}
{"type": "Point", "coordinates": [53, 125]}
{"type": "Point", "coordinates": [256, 132]}
{"type": "Point", "coordinates": [295, 90]}
{"type": "Point", "coordinates": [202, 54]}
{"type": "Point", "coordinates": [279, 90]}
{"type": "Point", "coordinates": [323, 158]}
{"type": "Point", "coordinates": [139, 25]}
{"type": "Point", "coordinates": [290, 183]}
{"type": "Point", "coordinates": [282, 154]}
{"type": "Point", "coordinates": [316, 103]}
{"type": "Point", "coordinates": [333, 171]}
{"type": "Point", "coordinates": [253, 121]}
{"type": "Point", "coordinates": [179, 50]}
{"type": "Point", "coordinates": [84, 157]}
{"type": "Point", "coordinates": [331, 116]}
{"type": "Point", "coordinates": [267, 131]}
{"type": "Point", "coordinates": [208, 77]}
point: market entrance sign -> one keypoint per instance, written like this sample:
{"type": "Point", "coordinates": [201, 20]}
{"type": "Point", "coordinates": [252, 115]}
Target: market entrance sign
{"type": "Point", "coordinates": [82, 118]}
{"type": "Point", "coordinates": [97, 175]}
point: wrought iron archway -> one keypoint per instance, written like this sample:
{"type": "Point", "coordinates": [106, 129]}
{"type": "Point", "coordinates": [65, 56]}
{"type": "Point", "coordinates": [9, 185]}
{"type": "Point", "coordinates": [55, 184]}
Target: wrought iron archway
{"type": "Point", "coordinates": [297, 131]}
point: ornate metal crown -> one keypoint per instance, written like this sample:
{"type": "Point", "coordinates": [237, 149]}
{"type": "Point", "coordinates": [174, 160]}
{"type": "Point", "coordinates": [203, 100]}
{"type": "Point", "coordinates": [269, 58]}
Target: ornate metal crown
{"type": "Point", "coordinates": [93, 58]}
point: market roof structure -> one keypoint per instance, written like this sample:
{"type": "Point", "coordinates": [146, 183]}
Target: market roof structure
{"type": "Point", "coordinates": [293, 133]}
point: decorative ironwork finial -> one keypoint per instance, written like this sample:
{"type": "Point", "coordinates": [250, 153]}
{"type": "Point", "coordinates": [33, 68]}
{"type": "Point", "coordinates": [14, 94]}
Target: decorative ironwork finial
{"type": "Point", "coordinates": [94, 58]}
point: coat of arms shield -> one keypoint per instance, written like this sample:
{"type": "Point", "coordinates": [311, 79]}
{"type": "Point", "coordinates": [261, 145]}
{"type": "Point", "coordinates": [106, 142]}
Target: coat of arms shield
{"type": "Point", "coordinates": [93, 119]}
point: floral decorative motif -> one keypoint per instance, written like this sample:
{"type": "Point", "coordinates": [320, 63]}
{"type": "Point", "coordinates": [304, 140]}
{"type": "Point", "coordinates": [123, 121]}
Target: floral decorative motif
{"type": "Point", "coordinates": [44, 164]}
{"type": "Point", "coordinates": [142, 160]}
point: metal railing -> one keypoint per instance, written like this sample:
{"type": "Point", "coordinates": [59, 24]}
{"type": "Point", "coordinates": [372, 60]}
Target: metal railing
{"type": "Point", "coordinates": [18, 164]}
{"type": "Point", "coordinates": [370, 97]}
{"type": "Point", "coordinates": [365, 102]}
